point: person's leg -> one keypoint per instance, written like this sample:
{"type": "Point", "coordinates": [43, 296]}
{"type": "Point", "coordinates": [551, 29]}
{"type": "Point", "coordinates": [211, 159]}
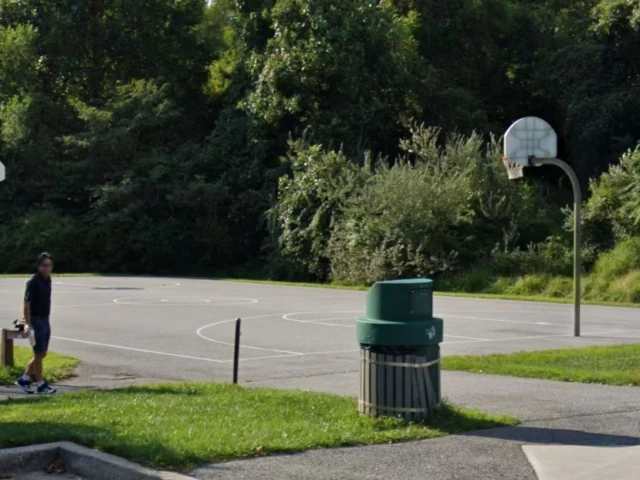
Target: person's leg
{"type": "Point", "coordinates": [43, 348]}
{"type": "Point", "coordinates": [41, 336]}
{"type": "Point", "coordinates": [30, 370]}
{"type": "Point", "coordinates": [46, 338]}
{"type": "Point", "coordinates": [37, 366]}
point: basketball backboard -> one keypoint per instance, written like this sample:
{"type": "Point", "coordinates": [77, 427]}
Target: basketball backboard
{"type": "Point", "coordinates": [2, 172]}
{"type": "Point", "coordinates": [530, 137]}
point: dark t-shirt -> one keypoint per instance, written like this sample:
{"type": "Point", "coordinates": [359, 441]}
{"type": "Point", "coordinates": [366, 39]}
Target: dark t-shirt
{"type": "Point", "coordinates": [38, 294]}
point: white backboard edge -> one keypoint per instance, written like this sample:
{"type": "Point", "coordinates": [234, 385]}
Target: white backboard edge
{"type": "Point", "coordinates": [530, 137]}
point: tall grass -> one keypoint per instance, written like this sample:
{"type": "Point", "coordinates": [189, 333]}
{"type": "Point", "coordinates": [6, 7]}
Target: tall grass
{"type": "Point", "coordinates": [615, 278]}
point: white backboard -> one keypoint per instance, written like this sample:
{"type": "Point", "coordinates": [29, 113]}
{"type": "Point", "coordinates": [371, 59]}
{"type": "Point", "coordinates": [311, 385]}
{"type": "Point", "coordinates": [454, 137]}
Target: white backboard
{"type": "Point", "coordinates": [530, 137]}
{"type": "Point", "coordinates": [2, 172]}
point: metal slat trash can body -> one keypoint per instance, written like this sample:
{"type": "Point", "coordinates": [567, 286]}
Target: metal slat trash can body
{"type": "Point", "coordinates": [400, 351]}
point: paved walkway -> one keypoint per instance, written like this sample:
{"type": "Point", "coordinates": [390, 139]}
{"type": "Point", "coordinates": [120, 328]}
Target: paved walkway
{"type": "Point", "coordinates": [556, 414]}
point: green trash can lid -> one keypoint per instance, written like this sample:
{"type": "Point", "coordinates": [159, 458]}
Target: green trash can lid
{"type": "Point", "coordinates": [400, 312]}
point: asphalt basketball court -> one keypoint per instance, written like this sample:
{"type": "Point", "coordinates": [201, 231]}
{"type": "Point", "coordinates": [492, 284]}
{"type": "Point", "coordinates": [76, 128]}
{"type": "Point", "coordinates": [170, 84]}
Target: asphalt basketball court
{"type": "Point", "coordinates": [183, 329]}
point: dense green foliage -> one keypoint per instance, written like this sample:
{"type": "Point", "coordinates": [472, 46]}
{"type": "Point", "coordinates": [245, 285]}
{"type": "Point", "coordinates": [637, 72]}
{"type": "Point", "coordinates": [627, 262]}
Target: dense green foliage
{"type": "Point", "coordinates": [313, 139]}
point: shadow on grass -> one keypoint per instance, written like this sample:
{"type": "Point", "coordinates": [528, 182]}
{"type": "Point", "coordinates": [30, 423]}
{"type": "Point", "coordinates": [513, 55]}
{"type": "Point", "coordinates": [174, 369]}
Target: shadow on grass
{"type": "Point", "coordinates": [552, 436]}
{"type": "Point", "coordinates": [158, 390]}
{"type": "Point", "coordinates": [451, 420]}
{"type": "Point", "coordinates": [144, 451]}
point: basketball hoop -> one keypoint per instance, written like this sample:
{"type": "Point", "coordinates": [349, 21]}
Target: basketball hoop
{"type": "Point", "coordinates": [532, 142]}
{"type": "Point", "coordinates": [514, 170]}
{"type": "Point", "coordinates": [526, 139]}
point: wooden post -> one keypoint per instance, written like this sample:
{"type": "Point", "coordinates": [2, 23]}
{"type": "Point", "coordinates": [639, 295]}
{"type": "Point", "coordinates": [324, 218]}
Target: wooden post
{"type": "Point", "coordinates": [6, 354]}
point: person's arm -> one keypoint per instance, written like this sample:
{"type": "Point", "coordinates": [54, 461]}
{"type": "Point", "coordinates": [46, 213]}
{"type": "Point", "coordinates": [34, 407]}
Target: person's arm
{"type": "Point", "coordinates": [27, 313]}
{"type": "Point", "coordinates": [26, 309]}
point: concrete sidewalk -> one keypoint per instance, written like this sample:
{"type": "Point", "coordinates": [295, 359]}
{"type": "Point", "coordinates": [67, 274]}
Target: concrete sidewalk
{"type": "Point", "coordinates": [553, 413]}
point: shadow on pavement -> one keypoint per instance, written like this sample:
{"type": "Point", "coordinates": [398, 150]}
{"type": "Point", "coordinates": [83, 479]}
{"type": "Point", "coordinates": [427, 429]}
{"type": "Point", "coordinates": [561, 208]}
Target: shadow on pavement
{"type": "Point", "coordinates": [524, 434]}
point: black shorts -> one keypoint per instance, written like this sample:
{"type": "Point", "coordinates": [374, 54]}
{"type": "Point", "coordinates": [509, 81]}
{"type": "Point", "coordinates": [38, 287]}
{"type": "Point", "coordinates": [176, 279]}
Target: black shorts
{"type": "Point", "coordinates": [41, 334]}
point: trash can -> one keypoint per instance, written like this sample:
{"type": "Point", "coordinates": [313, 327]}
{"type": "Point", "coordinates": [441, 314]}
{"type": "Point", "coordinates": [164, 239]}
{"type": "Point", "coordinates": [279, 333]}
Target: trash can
{"type": "Point", "coordinates": [400, 351]}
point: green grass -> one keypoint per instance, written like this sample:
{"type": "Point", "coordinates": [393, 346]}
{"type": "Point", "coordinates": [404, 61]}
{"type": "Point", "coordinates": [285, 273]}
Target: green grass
{"type": "Point", "coordinates": [180, 426]}
{"type": "Point", "coordinates": [56, 366]}
{"type": "Point", "coordinates": [610, 365]}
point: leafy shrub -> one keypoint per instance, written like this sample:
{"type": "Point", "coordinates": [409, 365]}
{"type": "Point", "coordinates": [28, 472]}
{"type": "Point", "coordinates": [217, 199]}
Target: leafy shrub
{"type": "Point", "coordinates": [310, 201]}
{"type": "Point", "coordinates": [408, 220]}
{"type": "Point", "coordinates": [552, 256]}
{"type": "Point", "coordinates": [625, 288]}
{"type": "Point", "coordinates": [437, 209]}
{"type": "Point", "coordinates": [529, 285]}
{"type": "Point", "coordinates": [612, 212]}
{"type": "Point", "coordinates": [624, 258]}
{"type": "Point", "coordinates": [22, 239]}
{"type": "Point", "coordinates": [559, 287]}
{"type": "Point", "coordinates": [475, 280]}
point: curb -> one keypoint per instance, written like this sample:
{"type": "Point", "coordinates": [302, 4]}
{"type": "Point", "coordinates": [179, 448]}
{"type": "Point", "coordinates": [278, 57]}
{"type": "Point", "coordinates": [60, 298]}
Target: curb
{"type": "Point", "coordinates": [79, 460]}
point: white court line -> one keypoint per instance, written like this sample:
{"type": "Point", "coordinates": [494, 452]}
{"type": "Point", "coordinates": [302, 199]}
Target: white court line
{"type": "Point", "coordinates": [108, 288]}
{"type": "Point", "coordinates": [468, 338]}
{"type": "Point", "coordinates": [175, 301]}
{"type": "Point", "coordinates": [286, 354]}
{"type": "Point", "coordinates": [120, 347]}
{"type": "Point", "coordinates": [509, 339]}
{"type": "Point", "coordinates": [501, 320]}
{"type": "Point", "coordinates": [200, 334]}
{"type": "Point", "coordinates": [313, 320]}
{"type": "Point", "coordinates": [288, 318]}
{"type": "Point", "coordinates": [252, 359]}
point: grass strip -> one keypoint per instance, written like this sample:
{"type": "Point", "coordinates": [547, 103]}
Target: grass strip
{"type": "Point", "coordinates": [56, 367]}
{"type": "Point", "coordinates": [180, 426]}
{"type": "Point", "coordinates": [607, 365]}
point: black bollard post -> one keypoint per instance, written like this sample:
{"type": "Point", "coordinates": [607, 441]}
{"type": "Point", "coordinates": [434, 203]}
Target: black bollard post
{"type": "Point", "coordinates": [236, 352]}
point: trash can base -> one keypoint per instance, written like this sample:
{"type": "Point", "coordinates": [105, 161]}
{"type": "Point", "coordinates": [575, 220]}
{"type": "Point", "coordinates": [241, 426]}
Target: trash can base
{"type": "Point", "coordinates": [402, 382]}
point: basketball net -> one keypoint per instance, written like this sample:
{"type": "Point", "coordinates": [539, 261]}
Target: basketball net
{"type": "Point", "coordinates": [514, 170]}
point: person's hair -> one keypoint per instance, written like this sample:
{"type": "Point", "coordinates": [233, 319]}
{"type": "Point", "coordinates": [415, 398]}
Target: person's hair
{"type": "Point", "coordinates": [44, 256]}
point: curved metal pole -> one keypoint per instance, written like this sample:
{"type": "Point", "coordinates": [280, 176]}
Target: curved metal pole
{"type": "Point", "coordinates": [577, 206]}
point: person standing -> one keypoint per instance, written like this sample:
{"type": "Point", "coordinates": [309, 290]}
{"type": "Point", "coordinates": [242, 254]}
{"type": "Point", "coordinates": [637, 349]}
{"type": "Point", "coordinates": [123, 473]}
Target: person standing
{"type": "Point", "coordinates": [37, 308]}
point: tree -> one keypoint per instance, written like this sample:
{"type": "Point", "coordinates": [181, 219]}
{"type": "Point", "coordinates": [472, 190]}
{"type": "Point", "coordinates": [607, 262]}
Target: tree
{"type": "Point", "coordinates": [612, 212]}
{"type": "Point", "coordinates": [589, 67]}
{"type": "Point", "coordinates": [345, 70]}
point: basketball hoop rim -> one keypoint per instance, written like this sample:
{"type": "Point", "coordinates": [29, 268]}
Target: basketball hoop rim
{"type": "Point", "coordinates": [514, 170]}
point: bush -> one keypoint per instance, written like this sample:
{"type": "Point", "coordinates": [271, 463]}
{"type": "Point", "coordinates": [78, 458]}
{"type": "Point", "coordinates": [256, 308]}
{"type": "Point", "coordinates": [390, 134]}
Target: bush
{"type": "Point", "coordinates": [529, 285]}
{"type": "Point", "coordinates": [559, 287]}
{"type": "Point", "coordinates": [551, 257]}
{"type": "Point", "coordinates": [310, 201]}
{"type": "Point", "coordinates": [473, 281]}
{"type": "Point", "coordinates": [612, 212]}
{"type": "Point", "coordinates": [22, 239]}
{"type": "Point", "coordinates": [624, 258]}
{"type": "Point", "coordinates": [616, 276]}
{"type": "Point", "coordinates": [435, 210]}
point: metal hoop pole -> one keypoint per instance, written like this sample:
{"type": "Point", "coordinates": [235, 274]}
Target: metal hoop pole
{"type": "Point", "coordinates": [577, 223]}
